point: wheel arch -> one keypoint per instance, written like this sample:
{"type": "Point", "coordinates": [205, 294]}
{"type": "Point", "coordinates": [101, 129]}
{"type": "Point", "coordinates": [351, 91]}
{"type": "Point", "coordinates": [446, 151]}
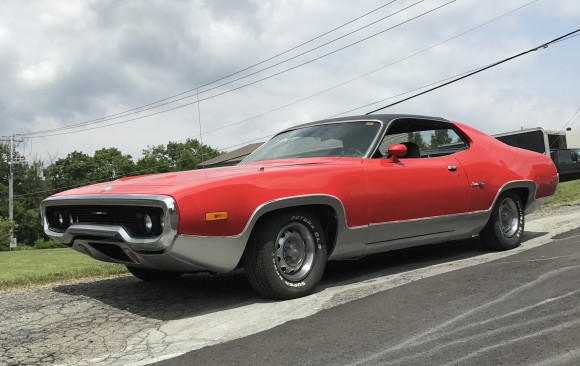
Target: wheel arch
{"type": "Point", "coordinates": [328, 209]}
{"type": "Point", "coordinates": [525, 189]}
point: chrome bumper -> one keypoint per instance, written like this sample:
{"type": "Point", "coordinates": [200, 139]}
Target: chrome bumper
{"type": "Point", "coordinates": [169, 251]}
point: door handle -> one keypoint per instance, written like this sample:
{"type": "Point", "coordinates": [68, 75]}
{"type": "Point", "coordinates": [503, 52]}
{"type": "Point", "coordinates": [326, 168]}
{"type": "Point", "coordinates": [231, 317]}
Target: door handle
{"type": "Point", "coordinates": [478, 184]}
{"type": "Point", "coordinates": [452, 168]}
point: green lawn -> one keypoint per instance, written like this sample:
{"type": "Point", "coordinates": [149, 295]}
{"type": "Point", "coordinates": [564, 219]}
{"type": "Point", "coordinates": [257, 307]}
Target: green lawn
{"type": "Point", "coordinates": [566, 192]}
{"type": "Point", "coordinates": [34, 267]}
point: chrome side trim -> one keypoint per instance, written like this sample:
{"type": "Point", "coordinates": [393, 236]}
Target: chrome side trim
{"type": "Point", "coordinates": [450, 216]}
{"type": "Point", "coordinates": [429, 230]}
{"type": "Point", "coordinates": [160, 243]}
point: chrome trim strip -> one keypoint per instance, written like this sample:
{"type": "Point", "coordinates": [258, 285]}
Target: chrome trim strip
{"type": "Point", "coordinates": [411, 237]}
{"type": "Point", "coordinates": [426, 218]}
{"type": "Point", "coordinates": [395, 235]}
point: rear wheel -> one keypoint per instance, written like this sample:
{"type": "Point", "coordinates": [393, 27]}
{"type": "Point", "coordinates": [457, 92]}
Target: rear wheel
{"type": "Point", "coordinates": [505, 228]}
{"type": "Point", "coordinates": [152, 275]}
{"type": "Point", "coordinates": [286, 255]}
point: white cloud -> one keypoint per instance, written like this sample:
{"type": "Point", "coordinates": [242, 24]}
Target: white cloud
{"type": "Point", "coordinates": [65, 62]}
{"type": "Point", "coordinates": [38, 74]}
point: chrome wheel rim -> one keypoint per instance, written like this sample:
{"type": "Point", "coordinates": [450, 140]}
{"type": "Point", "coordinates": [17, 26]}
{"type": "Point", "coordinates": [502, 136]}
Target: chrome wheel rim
{"type": "Point", "coordinates": [509, 217]}
{"type": "Point", "coordinates": [294, 251]}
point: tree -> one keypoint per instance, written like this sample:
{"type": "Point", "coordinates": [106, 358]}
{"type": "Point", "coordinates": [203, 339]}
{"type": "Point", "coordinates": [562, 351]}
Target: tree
{"type": "Point", "coordinates": [29, 190]}
{"type": "Point", "coordinates": [110, 164]}
{"type": "Point", "coordinates": [417, 138]}
{"type": "Point", "coordinates": [440, 137]}
{"type": "Point", "coordinates": [72, 171]}
{"type": "Point", "coordinates": [175, 156]}
{"type": "Point", "coordinates": [5, 227]}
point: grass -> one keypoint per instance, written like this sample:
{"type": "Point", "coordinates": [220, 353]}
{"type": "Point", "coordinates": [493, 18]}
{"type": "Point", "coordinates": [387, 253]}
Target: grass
{"type": "Point", "coordinates": [37, 267]}
{"type": "Point", "coordinates": [567, 192]}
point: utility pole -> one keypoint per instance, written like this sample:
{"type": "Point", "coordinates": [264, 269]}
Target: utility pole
{"type": "Point", "coordinates": [12, 160]}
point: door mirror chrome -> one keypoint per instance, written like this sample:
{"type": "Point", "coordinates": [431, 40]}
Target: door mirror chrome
{"type": "Point", "coordinates": [396, 151]}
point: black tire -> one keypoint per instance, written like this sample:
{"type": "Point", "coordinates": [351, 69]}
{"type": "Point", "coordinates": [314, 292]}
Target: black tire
{"type": "Point", "coordinates": [152, 275]}
{"type": "Point", "coordinates": [505, 227]}
{"type": "Point", "coordinates": [286, 255]}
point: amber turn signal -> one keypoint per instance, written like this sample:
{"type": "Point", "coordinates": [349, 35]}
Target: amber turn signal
{"type": "Point", "coordinates": [213, 216]}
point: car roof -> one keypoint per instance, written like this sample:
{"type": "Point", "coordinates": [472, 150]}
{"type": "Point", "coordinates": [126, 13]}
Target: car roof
{"type": "Point", "coordinates": [385, 118]}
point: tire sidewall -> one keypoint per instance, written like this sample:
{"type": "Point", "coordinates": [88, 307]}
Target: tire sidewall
{"type": "Point", "coordinates": [515, 240]}
{"type": "Point", "coordinates": [283, 287]}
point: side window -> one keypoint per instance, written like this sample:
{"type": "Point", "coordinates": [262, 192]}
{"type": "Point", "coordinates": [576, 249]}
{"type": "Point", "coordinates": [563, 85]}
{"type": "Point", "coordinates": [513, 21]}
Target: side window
{"type": "Point", "coordinates": [564, 157]}
{"type": "Point", "coordinates": [424, 141]}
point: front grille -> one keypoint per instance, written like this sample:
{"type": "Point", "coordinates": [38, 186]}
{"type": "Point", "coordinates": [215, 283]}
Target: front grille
{"type": "Point", "coordinates": [132, 218]}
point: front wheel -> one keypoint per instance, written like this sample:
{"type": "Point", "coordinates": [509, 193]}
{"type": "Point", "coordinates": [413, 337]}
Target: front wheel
{"type": "Point", "coordinates": [505, 228]}
{"type": "Point", "coordinates": [152, 275]}
{"type": "Point", "coordinates": [286, 255]}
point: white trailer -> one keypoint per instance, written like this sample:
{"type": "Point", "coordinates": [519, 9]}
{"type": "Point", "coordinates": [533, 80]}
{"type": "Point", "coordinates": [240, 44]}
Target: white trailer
{"type": "Point", "coordinates": [535, 139]}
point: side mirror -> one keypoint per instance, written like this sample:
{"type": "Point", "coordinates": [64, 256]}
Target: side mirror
{"type": "Point", "coordinates": [396, 151]}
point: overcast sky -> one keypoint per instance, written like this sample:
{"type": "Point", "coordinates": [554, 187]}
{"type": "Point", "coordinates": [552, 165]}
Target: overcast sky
{"type": "Point", "coordinates": [68, 62]}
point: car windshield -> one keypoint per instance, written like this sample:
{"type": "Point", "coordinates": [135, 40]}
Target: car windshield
{"type": "Point", "coordinates": [352, 139]}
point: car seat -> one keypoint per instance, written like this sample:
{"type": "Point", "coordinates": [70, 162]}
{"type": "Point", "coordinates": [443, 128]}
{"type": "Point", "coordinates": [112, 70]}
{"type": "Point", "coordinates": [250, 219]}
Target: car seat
{"type": "Point", "coordinates": [412, 150]}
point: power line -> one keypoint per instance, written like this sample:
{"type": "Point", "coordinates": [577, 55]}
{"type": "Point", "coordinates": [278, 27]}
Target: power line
{"type": "Point", "coordinates": [244, 120]}
{"type": "Point", "coordinates": [370, 73]}
{"type": "Point", "coordinates": [247, 67]}
{"type": "Point", "coordinates": [455, 79]}
{"type": "Point", "coordinates": [542, 46]}
{"type": "Point", "coordinates": [233, 89]}
{"type": "Point", "coordinates": [568, 123]}
{"type": "Point", "coordinates": [402, 93]}
{"type": "Point", "coordinates": [571, 121]}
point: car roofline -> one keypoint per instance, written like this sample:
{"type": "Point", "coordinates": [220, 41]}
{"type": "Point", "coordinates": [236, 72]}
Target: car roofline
{"type": "Point", "coordinates": [384, 118]}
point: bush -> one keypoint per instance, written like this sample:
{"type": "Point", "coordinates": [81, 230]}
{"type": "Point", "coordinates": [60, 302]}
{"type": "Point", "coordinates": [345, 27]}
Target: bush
{"type": "Point", "coordinates": [40, 244]}
{"type": "Point", "coordinates": [47, 244]}
{"type": "Point", "coordinates": [5, 226]}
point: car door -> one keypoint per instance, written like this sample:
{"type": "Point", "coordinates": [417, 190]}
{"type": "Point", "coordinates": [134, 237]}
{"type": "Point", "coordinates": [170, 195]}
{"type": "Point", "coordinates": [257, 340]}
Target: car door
{"type": "Point", "coordinates": [416, 197]}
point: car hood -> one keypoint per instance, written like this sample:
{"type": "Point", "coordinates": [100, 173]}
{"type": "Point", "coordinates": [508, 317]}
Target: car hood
{"type": "Point", "coordinates": [166, 183]}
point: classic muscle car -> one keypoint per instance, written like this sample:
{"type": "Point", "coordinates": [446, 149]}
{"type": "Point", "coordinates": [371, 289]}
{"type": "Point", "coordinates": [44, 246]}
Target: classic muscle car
{"type": "Point", "coordinates": [327, 190]}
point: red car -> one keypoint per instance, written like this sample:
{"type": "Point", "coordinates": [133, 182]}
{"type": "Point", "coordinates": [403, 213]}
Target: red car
{"type": "Point", "coordinates": [327, 190]}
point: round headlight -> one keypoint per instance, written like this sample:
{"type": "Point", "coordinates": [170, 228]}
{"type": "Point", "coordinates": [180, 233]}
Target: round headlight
{"type": "Point", "coordinates": [147, 222]}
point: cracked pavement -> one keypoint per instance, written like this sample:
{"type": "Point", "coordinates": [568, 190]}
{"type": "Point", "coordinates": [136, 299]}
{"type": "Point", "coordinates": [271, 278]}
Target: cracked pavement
{"type": "Point", "coordinates": [81, 323]}
{"type": "Point", "coordinates": [125, 321]}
